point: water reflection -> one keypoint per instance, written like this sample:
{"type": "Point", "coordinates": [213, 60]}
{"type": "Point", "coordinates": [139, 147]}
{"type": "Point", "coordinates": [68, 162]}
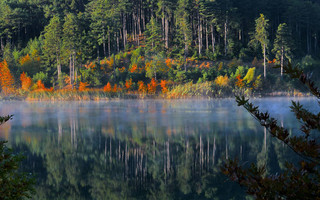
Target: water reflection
{"type": "Point", "coordinates": [139, 149]}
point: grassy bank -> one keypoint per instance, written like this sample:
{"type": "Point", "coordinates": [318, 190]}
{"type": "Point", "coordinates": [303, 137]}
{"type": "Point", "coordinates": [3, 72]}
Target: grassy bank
{"type": "Point", "coordinates": [179, 91]}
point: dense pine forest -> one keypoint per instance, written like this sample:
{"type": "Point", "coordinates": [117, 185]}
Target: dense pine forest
{"type": "Point", "coordinates": [72, 49]}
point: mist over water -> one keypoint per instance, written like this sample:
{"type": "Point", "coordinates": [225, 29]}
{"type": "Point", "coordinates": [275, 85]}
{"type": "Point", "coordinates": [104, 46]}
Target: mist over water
{"type": "Point", "coordinates": [143, 149]}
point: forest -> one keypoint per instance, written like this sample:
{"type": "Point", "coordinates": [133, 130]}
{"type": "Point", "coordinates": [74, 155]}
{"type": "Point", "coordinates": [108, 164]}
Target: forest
{"type": "Point", "coordinates": [94, 49]}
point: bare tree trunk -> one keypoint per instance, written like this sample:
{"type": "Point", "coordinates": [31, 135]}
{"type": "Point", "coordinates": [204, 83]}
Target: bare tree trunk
{"type": "Point", "coordinates": [264, 61]}
{"type": "Point", "coordinates": [104, 44]}
{"type": "Point", "coordinates": [185, 51]}
{"type": "Point", "coordinates": [282, 57]}
{"type": "Point", "coordinates": [225, 36]}
{"type": "Point", "coordinates": [58, 67]}
{"type": "Point", "coordinates": [207, 38]}
{"type": "Point", "coordinates": [124, 31]}
{"type": "Point", "coordinates": [2, 45]}
{"type": "Point", "coordinates": [163, 27]}
{"type": "Point", "coordinates": [109, 43]}
{"type": "Point", "coordinates": [73, 67]}
{"type": "Point", "coordinates": [167, 32]}
{"type": "Point", "coordinates": [118, 43]}
{"type": "Point", "coordinates": [70, 67]}
{"type": "Point", "coordinates": [213, 39]}
{"type": "Point", "coordinates": [200, 36]}
{"type": "Point", "coordinates": [143, 19]}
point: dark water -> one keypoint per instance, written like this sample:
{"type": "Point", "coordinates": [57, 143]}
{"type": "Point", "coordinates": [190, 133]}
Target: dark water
{"type": "Point", "coordinates": [151, 149]}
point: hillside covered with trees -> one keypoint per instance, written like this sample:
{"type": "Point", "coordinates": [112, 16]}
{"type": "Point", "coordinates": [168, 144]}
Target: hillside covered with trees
{"type": "Point", "coordinates": [177, 48]}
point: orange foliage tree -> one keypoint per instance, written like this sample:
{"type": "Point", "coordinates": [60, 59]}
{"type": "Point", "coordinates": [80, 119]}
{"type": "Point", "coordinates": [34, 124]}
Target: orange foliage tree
{"type": "Point", "coordinates": [26, 82]}
{"type": "Point", "coordinates": [83, 86]}
{"type": "Point", "coordinates": [239, 81]}
{"type": "Point", "coordinates": [42, 88]}
{"type": "Point", "coordinates": [6, 79]}
{"type": "Point", "coordinates": [40, 85]}
{"type": "Point", "coordinates": [107, 88]}
{"type": "Point", "coordinates": [142, 87]}
{"type": "Point", "coordinates": [163, 85]}
{"type": "Point", "coordinates": [152, 86]}
{"type": "Point", "coordinates": [115, 88]}
{"type": "Point", "coordinates": [133, 68]}
{"type": "Point", "coordinates": [128, 84]}
{"type": "Point", "coordinates": [25, 59]}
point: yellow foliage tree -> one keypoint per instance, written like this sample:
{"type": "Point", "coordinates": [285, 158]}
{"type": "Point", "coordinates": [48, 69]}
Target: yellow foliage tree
{"type": "Point", "coordinates": [250, 75]}
{"type": "Point", "coordinates": [222, 80]}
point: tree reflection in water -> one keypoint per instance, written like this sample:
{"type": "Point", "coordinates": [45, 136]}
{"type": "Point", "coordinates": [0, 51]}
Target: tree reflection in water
{"type": "Point", "coordinates": [146, 150]}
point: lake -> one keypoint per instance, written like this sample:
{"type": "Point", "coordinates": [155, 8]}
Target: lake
{"type": "Point", "coordinates": [143, 149]}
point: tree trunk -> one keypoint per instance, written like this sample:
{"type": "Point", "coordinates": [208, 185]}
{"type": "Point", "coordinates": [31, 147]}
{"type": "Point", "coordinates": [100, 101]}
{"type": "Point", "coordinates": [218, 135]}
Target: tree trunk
{"type": "Point", "coordinates": [200, 36]}
{"type": "Point", "coordinates": [73, 67]}
{"type": "Point", "coordinates": [2, 46]}
{"type": "Point", "coordinates": [185, 50]}
{"type": "Point", "coordinates": [104, 44]}
{"type": "Point", "coordinates": [282, 57]}
{"type": "Point", "coordinates": [118, 43]}
{"type": "Point", "coordinates": [213, 39]}
{"type": "Point", "coordinates": [124, 31]}
{"type": "Point", "coordinates": [167, 32]}
{"type": "Point", "coordinates": [207, 38]}
{"type": "Point", "coordinates": [264, 61]}
{"type": "Point", "coordinates": [109, 43]}
{"type": "Point", "coordinates": [58, 67]}
{"type": "Point", "coordinates": [225, 36]}
{"type": "Point", "coordinates": [70, 67]}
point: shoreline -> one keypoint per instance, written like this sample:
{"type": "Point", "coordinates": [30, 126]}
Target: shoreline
{"type": "Point", "coordinates": [147, 97]}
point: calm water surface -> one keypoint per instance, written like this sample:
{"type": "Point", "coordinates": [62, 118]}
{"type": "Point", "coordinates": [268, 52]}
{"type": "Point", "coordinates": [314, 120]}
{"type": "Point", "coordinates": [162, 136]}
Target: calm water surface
{"type": "Point", "coordinates": [143, 149]}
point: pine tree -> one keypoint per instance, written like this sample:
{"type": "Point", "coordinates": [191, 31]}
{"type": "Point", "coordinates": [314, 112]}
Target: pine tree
{"type": "Point", "coordinates": [261, 36]}
{"type": "Point", "coordinates": [53, 43]}
{"type": "Point", "coordinates": [283, 45]}
{"type": "Point", "coordinates": [153, 40]}
{"type": "Point", "coordinates": [183, 26]}
{"type": "Point", "coordinates": [71, 42]}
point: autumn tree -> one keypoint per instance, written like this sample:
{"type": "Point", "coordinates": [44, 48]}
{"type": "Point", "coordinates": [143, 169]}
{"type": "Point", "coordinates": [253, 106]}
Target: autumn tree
{"type": "Point", "coordinates": [128, 84]}
{"type": "Point", "coordinates": [107, 88]}
{"type": "Point", "coordinates": [6, 79]}
{"type": "Point", "coordinates": [152, 86]}
{"type": "Point", "coordinates": [163, 84]}
{"type": "Point", "coordinates": [296, 182]}
{"type": "Point", "coordinates": [261, 36]}
{"type": "Point", "coordinates": [283, 45]}
{"type": "Point", "coordinates": [26, 82]}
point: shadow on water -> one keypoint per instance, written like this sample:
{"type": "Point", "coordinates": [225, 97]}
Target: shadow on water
{"type": "Point", "coordinates": [140, 149]}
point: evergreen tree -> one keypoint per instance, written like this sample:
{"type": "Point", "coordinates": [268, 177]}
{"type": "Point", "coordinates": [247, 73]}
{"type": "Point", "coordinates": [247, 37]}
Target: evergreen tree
{"type": "Point", "coordinates": [71, 42]}
{"type": "Point", "coordinates": [53, 43]}
{"type": "Point", "coordinates": [261, 36]}
{"type": "Point", "coordinates": [184, 34]}
{"type": "Point", "coordinates": [153, 37]}
{"type": "Point", "coordinates": [283, 44]}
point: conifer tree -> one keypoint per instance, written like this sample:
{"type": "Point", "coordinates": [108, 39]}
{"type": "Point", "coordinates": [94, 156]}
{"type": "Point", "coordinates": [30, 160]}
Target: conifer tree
{"type": "Point", "coordinates": [283, 45]}
{"type": "Point", "coordinates": [183, 26]}
{"type": "Point", "coordinates": [53, 43]}
{"type": "Point", "coordinates": [153, 37]}
{"type": "Point", "coordinates": [71, 42]}
{"type": "Point", "coordinates": [261, 36]}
